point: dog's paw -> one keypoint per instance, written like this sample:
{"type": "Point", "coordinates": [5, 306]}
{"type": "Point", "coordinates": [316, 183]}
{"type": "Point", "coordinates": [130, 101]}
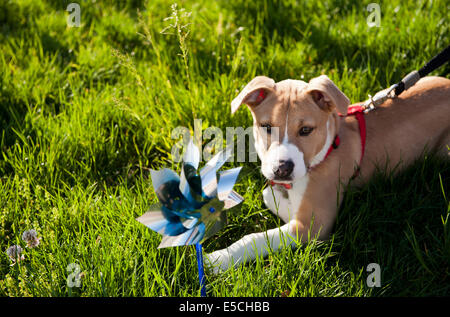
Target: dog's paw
{"type": "Point", "coordinates": [218, 261]}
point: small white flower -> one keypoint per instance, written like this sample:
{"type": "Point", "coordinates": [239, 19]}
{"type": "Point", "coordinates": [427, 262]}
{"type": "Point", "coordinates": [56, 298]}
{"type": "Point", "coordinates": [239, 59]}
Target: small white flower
{"type": "Point", "coordinates": [14, 253]}
{"type": "Point", "coordinates": [31, 238]}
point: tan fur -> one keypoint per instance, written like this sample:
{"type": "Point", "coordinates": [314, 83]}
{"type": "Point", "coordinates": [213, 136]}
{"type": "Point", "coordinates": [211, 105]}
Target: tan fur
{"type": "Point", "coordinates": [397, 132]}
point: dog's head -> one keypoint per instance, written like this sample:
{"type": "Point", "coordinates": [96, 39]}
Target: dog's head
{"type": "Point", "coordinates": [294, 123]}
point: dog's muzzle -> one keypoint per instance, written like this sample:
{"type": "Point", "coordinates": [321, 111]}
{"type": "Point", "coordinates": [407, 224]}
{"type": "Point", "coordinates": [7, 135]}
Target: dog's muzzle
{"type": "Point", "coordinates": [284, 170]}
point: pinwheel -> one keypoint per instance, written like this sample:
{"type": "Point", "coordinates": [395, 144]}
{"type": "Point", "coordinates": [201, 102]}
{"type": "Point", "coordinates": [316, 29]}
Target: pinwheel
{"type": "Point", "coordinates": [192, 206]}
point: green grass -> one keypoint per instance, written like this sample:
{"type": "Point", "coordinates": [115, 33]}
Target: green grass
{"type": "Point", "coordinates": [86, 112]}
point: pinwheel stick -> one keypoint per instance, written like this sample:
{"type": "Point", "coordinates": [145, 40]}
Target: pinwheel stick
{"type": "Point", "coordinates": [201, 270]}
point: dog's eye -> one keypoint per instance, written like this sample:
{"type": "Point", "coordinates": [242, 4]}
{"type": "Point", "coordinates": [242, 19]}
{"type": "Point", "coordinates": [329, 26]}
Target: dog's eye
{"type": "Point", "coordinates": [304, 131]}
{"type": "Point", "coordinates": [268, 127]}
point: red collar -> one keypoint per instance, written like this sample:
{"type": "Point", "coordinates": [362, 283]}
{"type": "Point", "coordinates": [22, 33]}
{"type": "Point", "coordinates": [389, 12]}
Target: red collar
{"type": "Point", "coordinates": [287, 186]}
{"type": "Point", "coordinates": [333, 145]}
{"type": "Point", "coordinates": [358, 112]}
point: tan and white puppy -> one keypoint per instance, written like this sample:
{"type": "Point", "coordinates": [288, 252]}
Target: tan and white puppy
{"type": "Point", "coordinates": [294, 125]}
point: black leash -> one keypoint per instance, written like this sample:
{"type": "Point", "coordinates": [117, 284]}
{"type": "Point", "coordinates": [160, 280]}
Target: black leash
{"type": "Point", "coordinates": [408, 81]}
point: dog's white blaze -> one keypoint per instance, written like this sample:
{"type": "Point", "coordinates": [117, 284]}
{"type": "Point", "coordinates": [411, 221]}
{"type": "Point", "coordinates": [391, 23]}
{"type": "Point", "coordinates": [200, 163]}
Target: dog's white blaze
{"type": "Point", "coordinates": [319, 157]}
{"type": "Point", "coordinates": [286, 137]}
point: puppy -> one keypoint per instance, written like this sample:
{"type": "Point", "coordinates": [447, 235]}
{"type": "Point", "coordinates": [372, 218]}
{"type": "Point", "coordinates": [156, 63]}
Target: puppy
{"type": "Point", "coordinates": [296, 126]}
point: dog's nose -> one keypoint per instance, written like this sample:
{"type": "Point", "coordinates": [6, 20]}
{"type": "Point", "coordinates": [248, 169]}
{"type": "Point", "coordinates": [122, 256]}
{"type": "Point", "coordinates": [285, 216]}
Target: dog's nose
{"type": "Point", "coordinates": [284, 169]}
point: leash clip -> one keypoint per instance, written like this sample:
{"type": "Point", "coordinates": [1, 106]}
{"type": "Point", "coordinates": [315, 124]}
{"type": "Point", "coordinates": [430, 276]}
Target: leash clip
{"type": "Point", "coordinates": [379, 98]}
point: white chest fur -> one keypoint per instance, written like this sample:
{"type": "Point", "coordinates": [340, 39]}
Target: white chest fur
{"type": "Point", "coordinates": [285, 203]}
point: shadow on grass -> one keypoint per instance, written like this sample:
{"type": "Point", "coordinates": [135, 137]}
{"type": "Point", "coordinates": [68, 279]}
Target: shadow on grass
{"type": "Point", "coordinates": [400, 222]}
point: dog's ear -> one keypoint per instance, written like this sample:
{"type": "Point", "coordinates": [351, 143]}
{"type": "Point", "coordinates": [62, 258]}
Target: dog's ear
{"type": "Point", "coordinates": [327, 95]}
{"type": "Point", "coordinates": [254, 93]}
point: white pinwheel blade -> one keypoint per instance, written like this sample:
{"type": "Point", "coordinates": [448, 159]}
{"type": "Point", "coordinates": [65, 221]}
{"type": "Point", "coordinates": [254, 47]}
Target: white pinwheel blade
{"type": "Point", "coordinates": [189, 223]}
{"type": "Point", "coordinates": [232, 200]}
{"type": "Point", "coordinates": [208, 172]}
{"type": "Point", "coordinates": [209, 181]}
{"type": "Point", "coordinates": [189, 237]}
{"type": "Point", "coordinates": [227, 179]}
{"type": "Point", "coordinates": [191, 155]}
{"type": "Point", "coordinates": [154, 220]}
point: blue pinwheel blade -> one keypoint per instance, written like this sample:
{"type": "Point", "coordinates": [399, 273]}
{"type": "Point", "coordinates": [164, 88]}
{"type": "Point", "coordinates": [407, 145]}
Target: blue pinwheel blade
{"type": "Point", "coordinates": [162, 176]}
{"type": "Point", "coordinates": [184, 186]}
